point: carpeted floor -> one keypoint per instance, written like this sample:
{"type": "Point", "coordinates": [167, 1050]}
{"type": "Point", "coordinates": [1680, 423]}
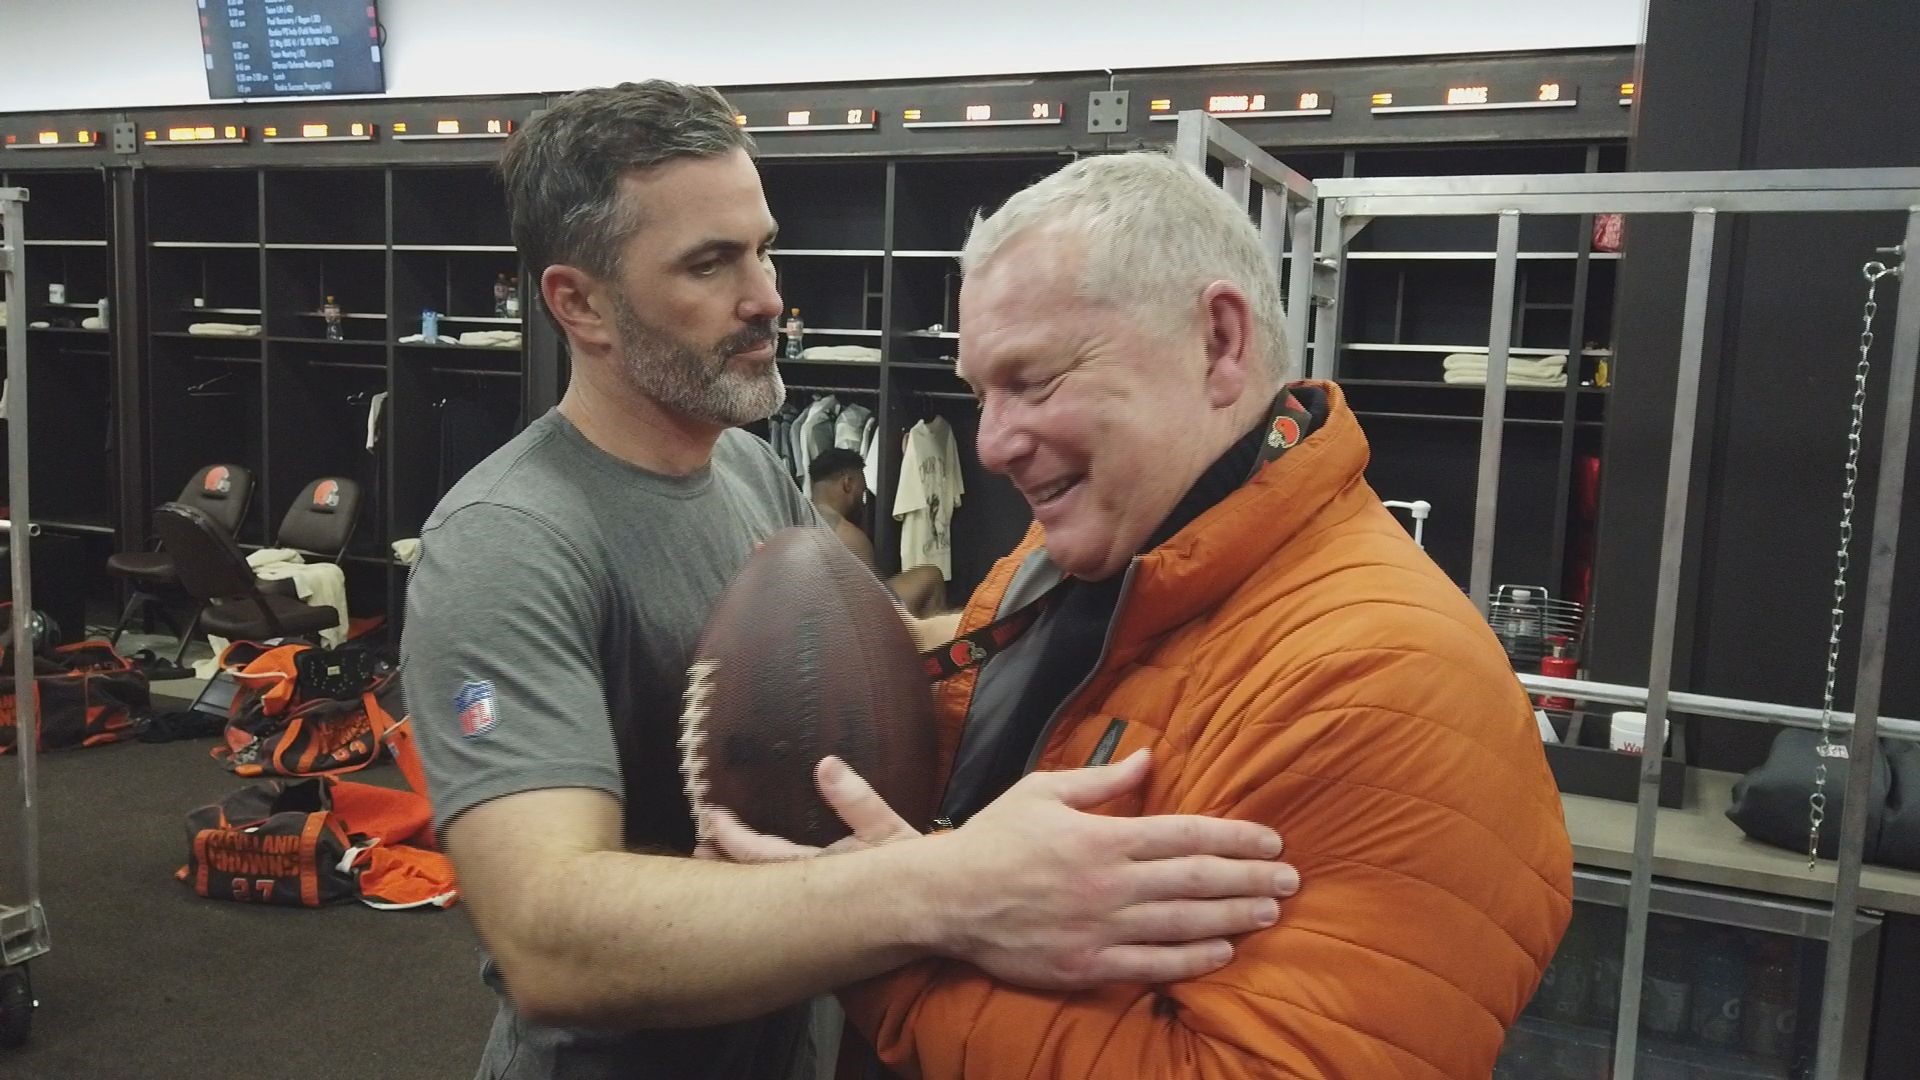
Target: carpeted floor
{"type": "Point", "coordinates": [146, 980]}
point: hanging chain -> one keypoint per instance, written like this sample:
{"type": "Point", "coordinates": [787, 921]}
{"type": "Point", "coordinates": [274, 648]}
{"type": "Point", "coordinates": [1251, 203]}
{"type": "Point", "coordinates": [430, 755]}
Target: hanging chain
{"type": "Point", "coordinates": [1817, 802]}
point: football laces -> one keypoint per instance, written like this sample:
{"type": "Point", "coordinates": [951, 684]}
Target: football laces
{"type": "Point", "coordinates": [693, 742]}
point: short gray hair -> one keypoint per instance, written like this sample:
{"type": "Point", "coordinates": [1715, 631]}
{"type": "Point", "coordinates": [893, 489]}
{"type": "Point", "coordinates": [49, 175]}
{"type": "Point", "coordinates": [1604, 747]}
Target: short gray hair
{"type": "Point", "coordinates": [1155, 232]}
{"type": "Point", "coordinates": [563, 169]}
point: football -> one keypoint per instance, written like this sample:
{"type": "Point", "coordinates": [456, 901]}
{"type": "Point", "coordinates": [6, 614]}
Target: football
{"type": "Point", "coordinates": [806, 655]}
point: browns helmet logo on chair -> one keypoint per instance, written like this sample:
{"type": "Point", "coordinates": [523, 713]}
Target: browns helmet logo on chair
{"type": "Point", "coordinates": [219, 481]}
{"type": "Point", "coordinates": [326, 496]}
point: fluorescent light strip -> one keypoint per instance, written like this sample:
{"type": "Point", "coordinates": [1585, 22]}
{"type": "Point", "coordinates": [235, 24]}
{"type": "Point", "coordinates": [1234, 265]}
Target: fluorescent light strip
{"type": "Point", "coordinates": [319, 138]}
{"type": "Point", "coordinates": [1251, 115]}
{"type": "Point", "coordinates": [428, 136]}
{"type": "Point", "coordinates": [809, 127]}
{"type": "Point", "coordinates": [982, 123]}
{"type": "Point", "coordinates": [1488, 107]}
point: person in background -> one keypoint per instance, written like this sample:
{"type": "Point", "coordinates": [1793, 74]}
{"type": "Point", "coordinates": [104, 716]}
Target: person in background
{"type": "Point", "coordinates": [837, 483]}
{"type": "Point", "coordinates": [1218, 584]}
{"type": "Point", "coordinates": [560, 590]}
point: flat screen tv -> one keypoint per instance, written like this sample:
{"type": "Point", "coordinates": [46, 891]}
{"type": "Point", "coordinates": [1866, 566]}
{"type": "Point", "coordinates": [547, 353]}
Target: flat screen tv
{"type": "Point", "coordinates": [291, 48]}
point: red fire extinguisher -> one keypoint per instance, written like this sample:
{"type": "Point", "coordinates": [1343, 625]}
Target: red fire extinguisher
{"type": "Point", "coordinates": [1558, 664]}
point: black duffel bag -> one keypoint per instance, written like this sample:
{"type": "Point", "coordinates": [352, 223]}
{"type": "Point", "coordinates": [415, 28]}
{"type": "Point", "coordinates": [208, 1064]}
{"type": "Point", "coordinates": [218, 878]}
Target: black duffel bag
{"type": "Point", "coordinates": [1771, 803]}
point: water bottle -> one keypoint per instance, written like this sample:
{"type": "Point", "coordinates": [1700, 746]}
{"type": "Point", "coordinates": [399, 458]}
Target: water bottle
{"type": "Point", "coordinates": [1521, 630]}
{"type": "Point", "coordinates": [513, 298]}
{"type": "Point", "coordinates": [500, 296]}
{"type": "Point", "coordinates": [1719, 992]}
{"type": "Point", "coordinates": [331, 313]}
{"type": "Point", "coordinates": [1768, 1019]}
{"type": "Point", "coordinates": [1667, 986]}
{"type": "Point", "coordinates": [795, 330]}
{"type": "Point", "coordinates": [430, 326]}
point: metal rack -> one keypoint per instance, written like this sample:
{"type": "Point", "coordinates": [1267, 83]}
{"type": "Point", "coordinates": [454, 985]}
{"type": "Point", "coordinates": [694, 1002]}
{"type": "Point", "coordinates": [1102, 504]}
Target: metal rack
{"type": "Point", "coordinates": [23, 923]}
{"type": "Point", "coordinates": [1287, 202]}
{"type": "Point", "coordinates": [1347, 206]}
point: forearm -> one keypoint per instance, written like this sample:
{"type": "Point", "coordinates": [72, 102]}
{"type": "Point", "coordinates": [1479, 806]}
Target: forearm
{"type": "Point", "coordinates": [934, 632]}
{"type": "Point", "coordinates": [618, 940]}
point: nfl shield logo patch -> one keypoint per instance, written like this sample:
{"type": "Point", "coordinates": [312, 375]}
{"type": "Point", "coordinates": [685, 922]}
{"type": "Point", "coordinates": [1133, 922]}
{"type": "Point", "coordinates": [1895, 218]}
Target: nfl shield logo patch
{"type": "Point", "coordinates": [474, 704]}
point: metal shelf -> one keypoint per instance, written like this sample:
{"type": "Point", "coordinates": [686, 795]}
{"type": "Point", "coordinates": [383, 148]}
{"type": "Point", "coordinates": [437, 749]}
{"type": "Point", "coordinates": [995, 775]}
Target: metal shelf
{"type": "Point", "coordinates": [1428, 384]}
{"type": "Point", "coordinates": [943, 335]}
{"type": "Point", "coordinates": [500, 248]}
{"type": "Point", "coordinates": [451, 345]}
{"type": "Point", "coordinates": [325, 247]}
{"type": "Point", "coordinates": [926, 254]}
{"type": "Point", "coordinates": [1477, 350]}
{"type": "Point", "coordinates": [345, 314]}
{"type": "Point", "coordinates": [205, 337]}
{"type": "Point", "coordinates": [248, 245]}
{"type": "Point", "coordinates": [836, 332]}
{"type": "Point", "coordinates": [1458, 418]}
{"type": "Point", "coordinates": [867, 253]}
{"type": "Point", "coordinates": [77, 526]}
{"type": "Point", "coordinates": [489, 320]}
{"type": "Point", "coordinates": [220, 310]}
{"type": "Point", "coordinates": [67, 243]}
{"type": "Point", "coordinates": [1479, 256]}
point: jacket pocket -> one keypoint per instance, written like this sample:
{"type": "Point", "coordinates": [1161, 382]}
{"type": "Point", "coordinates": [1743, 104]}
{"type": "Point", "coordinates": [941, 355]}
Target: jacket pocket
{"type": "Point", "coordinates": [1106, 739]}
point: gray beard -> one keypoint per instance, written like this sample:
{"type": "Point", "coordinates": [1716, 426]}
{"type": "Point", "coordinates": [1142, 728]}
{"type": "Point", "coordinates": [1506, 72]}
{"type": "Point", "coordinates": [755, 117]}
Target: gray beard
{"type": "Point", "coordinates": [701, 384]}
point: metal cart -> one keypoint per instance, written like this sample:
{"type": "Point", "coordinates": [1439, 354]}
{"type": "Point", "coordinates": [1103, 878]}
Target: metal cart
{"type": "Point", "coordinates": [23, 922]}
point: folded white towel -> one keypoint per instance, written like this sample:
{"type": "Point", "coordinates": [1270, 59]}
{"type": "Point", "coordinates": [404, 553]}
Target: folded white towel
{"type": "Point", "coordinates": [864, 354]}
{"type": "Point", "coordinates": [499, 339]}
{"type": "Point", "coordinates": [1479, 378]}
{"type": "Point", "coordinates": [222, 329]}
{"type": "Point", "coordinates": [93, 322]}
{"type": "Point", "coordinates": [1541, 366]}
{"type": "Point", "coordinates": [407, 551]}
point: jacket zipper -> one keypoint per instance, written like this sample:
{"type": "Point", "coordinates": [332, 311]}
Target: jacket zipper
{"type": "Point", "coordinates": [1106, 644]}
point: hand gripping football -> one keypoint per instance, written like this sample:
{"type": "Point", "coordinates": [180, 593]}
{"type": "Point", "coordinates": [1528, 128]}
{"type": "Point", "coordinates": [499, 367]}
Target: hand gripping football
{"type": "Point", "coordinates": [806, 655]}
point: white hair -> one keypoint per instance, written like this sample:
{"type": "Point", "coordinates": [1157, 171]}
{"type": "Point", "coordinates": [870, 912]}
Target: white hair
{"type": "Point", "coordinates": [1155, 232]}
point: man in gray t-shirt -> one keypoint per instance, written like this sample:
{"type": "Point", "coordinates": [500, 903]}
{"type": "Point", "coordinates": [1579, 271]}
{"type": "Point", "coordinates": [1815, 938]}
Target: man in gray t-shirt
{"type": "Point", "coordinates": [560, 588]}
{"type": "Point", "coordinates": [564, 664]}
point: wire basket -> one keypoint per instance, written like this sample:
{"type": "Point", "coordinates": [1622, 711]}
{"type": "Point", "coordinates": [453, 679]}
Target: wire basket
{"type": "Point", "coordinates": [1528, 620]}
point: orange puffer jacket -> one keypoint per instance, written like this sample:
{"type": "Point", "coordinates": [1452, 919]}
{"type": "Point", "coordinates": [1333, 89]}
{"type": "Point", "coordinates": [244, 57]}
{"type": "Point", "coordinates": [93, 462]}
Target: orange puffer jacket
{"type": "Point", "coordinates": [1291, 657]}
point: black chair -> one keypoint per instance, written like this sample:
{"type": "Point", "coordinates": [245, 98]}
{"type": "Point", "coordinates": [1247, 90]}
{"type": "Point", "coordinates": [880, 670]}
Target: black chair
{"type": "Point", "coordinates": [319, 523]}
{"type": "Point", "coordinates": [213, 571]}
{"type": "Point", "coordinates": [223, 493]}
{"type": "Point", "coordinates": [321, 520]}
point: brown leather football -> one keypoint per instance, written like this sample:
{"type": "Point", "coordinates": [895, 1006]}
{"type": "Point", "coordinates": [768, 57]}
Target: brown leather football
{"type": "Point", "coordinates": [806, 655]}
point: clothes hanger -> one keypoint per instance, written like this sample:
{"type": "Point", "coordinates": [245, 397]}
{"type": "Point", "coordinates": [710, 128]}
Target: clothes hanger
{"type": "Point", "coordinates": [205, 388]}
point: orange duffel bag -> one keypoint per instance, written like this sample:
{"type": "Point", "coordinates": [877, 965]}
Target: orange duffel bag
{"type": "Point", "coordinates": [88, 695]}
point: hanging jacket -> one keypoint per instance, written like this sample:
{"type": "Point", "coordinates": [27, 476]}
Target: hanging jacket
{"type": "Point", "coordinates": [1290, 657]}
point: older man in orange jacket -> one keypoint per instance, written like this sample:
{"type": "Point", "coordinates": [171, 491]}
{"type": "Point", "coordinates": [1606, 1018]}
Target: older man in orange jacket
{"type": "Point", "coordinates": [1219, 586]}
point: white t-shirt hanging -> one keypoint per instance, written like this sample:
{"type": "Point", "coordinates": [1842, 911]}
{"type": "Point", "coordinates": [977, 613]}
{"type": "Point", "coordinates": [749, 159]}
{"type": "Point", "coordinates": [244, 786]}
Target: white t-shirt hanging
{"type": "Point", "coordinates": [867, 442]}
{"type": "Point", "coordinates": [929, 490]}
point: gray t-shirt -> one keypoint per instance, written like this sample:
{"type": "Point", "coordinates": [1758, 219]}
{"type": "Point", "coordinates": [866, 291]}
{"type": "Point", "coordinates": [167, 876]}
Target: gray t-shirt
{"type": "Point", "coordinates": [550, 621]}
